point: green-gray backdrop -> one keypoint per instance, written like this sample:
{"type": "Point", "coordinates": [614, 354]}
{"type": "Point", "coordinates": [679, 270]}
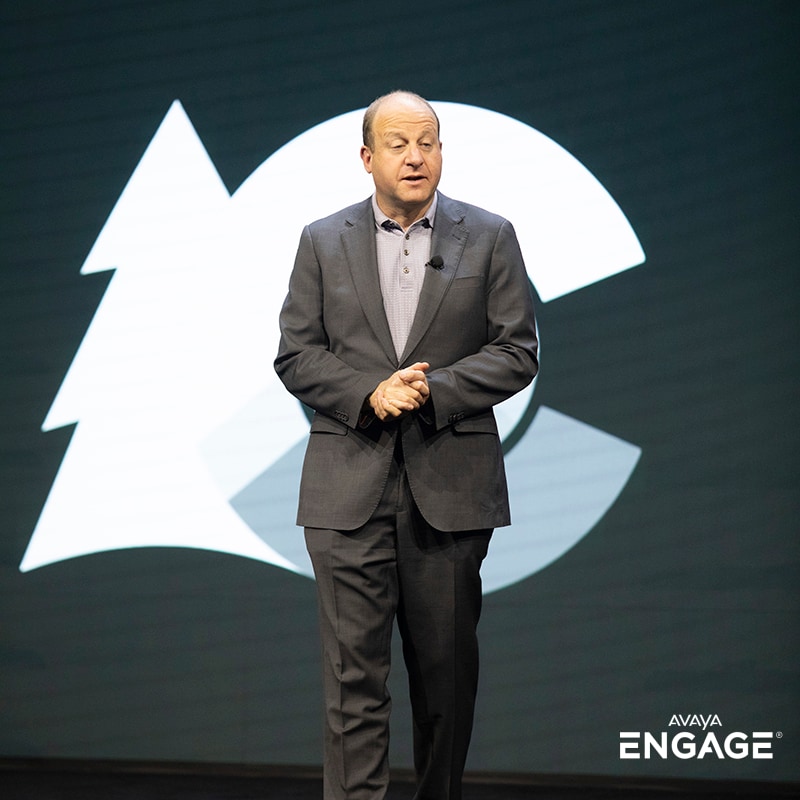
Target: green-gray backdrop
{"type": "Point", "coordinates": [683, 599]}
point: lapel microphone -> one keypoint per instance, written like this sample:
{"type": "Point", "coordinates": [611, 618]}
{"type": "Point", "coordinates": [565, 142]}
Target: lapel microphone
{"type": "Point", "coordinates": [437, 262]}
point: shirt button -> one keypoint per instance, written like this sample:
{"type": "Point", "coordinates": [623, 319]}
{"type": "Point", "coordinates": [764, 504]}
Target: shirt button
{"type": "Point", "coordinates": [406, 270]}
{"type": "Point", "coordinates": [405, 252]}
{"type": "Point", "coordinates": [408, 236]}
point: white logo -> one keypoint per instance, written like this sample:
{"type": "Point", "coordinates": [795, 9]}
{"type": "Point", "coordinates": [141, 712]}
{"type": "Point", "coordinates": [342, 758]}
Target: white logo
{"type": "Point", "coordinates": [186, 438]}
{"type": "Point", "coordinates": [687, 745]}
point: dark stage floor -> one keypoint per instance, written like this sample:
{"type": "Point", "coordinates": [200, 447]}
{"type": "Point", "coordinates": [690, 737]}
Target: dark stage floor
{"type": "Point", "coordinates": [67, 781]}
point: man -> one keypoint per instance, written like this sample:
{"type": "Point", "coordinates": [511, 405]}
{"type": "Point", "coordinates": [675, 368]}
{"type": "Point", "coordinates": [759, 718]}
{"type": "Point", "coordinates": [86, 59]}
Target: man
{"type": "Point", "coordinates": [409, 315]}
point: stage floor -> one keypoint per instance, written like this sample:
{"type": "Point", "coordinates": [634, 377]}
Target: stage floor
{"type": "Point", "coordinates": [81, 781]}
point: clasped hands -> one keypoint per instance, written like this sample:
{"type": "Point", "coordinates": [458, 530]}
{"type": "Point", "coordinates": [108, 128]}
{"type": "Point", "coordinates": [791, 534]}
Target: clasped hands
{"type": "Point", "coordinates": [402, 392]}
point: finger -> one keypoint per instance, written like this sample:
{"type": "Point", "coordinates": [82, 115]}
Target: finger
{"type": "Point", "coordinates": [392, 410]}
{"type": "Point", "coordinates": [421, 387]}
{"type": "Point", "coordinates": [410, 375]}
{"type": "Point", "coordinates": [405, 404]}
{"type": "Point", "coordinates": [408, 395]}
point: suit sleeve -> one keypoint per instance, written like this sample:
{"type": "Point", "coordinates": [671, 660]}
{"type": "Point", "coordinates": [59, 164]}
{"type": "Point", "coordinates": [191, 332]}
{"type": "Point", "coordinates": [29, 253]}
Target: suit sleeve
{"type": "Point", "coordinates": [305, 363]}
{"type": "Point", "coordinates": [508, 361]}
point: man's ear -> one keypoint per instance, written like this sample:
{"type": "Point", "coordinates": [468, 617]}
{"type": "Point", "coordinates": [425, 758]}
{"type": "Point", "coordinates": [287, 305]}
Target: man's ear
{"type": "Point", "coordinates": [366, 157]}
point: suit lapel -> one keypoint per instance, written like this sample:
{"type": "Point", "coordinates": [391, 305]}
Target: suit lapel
{"type": "Point", "coordinates": [448, 241]}
{"type": "Point", "coordinates": [358, 243]}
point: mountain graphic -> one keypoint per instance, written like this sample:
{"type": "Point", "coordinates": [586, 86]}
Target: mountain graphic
{"type": "Point", "coordinates": [184, 437]}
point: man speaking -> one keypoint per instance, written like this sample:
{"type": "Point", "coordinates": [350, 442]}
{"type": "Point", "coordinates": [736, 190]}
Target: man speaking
{"type": "Point", "coordinates": [409, 316]}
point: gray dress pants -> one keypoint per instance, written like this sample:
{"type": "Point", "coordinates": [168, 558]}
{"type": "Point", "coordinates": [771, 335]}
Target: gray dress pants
{"type": "Point", "coordinates": [397, 566]}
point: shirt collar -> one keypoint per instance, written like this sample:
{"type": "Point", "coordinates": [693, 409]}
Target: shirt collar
{"type": "Point", "coordinates": [381, 218]}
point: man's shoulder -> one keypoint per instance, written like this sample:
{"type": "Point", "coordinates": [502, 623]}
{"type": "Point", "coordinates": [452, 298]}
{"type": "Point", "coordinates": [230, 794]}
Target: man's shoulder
{"type": "Point", "coordinates": [350, 215]}
{"type": "Point", "coordinates": [469, 214]}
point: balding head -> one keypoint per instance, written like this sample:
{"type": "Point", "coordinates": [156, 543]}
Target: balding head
{"type": "Point", "coordinates": [402, 96]}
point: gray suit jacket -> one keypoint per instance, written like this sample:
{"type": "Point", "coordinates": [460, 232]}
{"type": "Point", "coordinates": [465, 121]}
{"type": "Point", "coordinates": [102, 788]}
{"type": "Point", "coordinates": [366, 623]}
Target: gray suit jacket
{"type": "Point", "coordinates": [475, 326]}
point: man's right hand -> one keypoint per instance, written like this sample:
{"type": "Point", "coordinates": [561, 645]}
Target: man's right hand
{"type": "Point", "coordinates": [402, 392]}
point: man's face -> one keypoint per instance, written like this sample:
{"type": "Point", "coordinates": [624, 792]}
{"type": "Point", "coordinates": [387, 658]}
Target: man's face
{"type": "Point", "coordinates": [405, 159]}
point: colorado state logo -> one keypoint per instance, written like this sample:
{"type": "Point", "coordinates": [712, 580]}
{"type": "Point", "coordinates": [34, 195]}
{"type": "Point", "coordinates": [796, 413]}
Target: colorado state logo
{"type": "Point", "coordinates": [186, 438]}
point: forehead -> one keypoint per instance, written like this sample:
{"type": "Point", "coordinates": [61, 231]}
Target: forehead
{"type": "Point", "coordinates": [396, 116]}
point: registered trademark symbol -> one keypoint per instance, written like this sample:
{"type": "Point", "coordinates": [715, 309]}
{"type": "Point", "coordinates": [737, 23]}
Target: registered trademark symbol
{"type": "Point", "coordinates": [779, 735]}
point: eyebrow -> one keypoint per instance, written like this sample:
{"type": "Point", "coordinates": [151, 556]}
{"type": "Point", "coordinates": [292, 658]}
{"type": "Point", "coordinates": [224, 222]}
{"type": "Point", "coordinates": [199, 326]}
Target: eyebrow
{"type": "Point", "coordinates": [425, 132]}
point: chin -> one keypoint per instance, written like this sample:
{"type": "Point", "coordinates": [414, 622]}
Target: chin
{"type": "Point", "coordinates": [417, 197]}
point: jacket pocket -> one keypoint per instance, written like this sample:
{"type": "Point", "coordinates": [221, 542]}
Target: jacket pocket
{"type": "Point", "coordinates": [322, 424]}
{"type": "Point", "coordinates": [481, 423]}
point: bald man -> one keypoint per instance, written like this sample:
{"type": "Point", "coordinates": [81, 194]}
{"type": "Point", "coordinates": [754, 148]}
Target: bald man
{"type": "Point", "coordinates": [409, 316]}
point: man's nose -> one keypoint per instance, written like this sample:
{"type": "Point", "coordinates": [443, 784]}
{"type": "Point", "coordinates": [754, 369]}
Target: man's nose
{"type": "Point", "coordinates": [414, 156]}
